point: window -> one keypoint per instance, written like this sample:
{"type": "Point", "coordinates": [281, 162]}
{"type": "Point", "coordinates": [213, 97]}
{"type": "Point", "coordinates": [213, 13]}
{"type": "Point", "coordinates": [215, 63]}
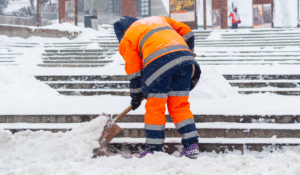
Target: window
{"type": "Point", "coordinates": [144, 8]}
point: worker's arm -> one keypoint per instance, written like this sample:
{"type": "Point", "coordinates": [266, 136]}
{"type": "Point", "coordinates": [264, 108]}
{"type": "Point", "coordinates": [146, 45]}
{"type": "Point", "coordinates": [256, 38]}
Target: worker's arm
{"type": "Point", "coordinates": [183, 30]}
{"type": "Point", "coordinates": [133, 66]}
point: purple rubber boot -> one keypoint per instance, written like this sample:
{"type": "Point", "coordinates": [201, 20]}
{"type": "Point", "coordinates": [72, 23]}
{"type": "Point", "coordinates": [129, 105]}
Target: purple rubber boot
{"type": "Point", "coordinates": [143, 154]}
{"type": "Point", "coordinates": [191, 152]}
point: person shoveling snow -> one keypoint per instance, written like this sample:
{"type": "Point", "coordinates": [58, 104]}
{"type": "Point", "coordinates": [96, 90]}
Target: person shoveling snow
{"type": "Point", "coordinates": [161, 68]}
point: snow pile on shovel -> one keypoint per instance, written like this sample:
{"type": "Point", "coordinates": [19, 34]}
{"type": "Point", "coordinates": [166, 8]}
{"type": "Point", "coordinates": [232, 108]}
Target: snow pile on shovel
{"type": "Point", "coordinates": [38, 150]}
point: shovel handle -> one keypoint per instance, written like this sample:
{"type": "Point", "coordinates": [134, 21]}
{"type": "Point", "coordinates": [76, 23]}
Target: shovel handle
{"type": "Point", "coordinates": [123, 113]}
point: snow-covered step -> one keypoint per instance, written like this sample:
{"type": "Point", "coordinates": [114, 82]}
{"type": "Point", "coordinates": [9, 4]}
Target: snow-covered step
{"type": "Point", "coordinates": [262, 77]}
{"type": "Point", "coordinates": [258, 43]}
{"type": "Point", "coordinates": [10, 54]}
{"type": "Point", "coordinates": [74, 50]}
{"type": "Point", "coordinates": [67, 43]}
{"type": "Point", "coordinates": [82, 78]}
{"type": "Point", "coordinates": [266, 84]}
{"type": "Point", "coordinates": [242, 146]}
{"type": "Point", "coordinates": [75, 65]}
{"type": "Point", "coordinates": [77, 61]}
{"type": "Point", "coordinates": [139, 118]}
{"type": "Point", "coordinates": [250, 39]}
{"type": "Point", "coordinates": [91, 92]}
{"type": "Point", "coordinates": [260, 33]}
{"type": "Point", "coordinates": [266, 56]}
{"type": "Point", "coordinates": [79, 54]}
{"type": "Point", "coordinates": [205, 130]}
{"type": "Point", "coordinates": [277, 91]}
{"type": "Point", "coordinates": [212, 42]}
{"type": "Point", "coordinates": [76, 58]}
{"type": "Point", "coordinates": [224, 63]}
{"type": "Point", "coordinates": [82, 85]}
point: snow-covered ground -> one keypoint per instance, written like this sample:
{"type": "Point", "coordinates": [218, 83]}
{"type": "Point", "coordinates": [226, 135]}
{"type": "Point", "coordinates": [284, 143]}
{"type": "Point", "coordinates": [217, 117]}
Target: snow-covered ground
{"type": "Point", "coordinates": [70, 153]}
{"type": "Point", "coordinates": [34, 153]}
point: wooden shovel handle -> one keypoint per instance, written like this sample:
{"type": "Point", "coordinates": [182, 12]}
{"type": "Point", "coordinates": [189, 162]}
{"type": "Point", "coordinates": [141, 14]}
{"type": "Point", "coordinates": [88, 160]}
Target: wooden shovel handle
{"type": "Point", "coordinates": [123, 113]}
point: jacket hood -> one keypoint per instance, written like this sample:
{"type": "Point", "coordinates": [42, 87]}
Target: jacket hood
{"type": "Point", "coordinates": [122, 25]}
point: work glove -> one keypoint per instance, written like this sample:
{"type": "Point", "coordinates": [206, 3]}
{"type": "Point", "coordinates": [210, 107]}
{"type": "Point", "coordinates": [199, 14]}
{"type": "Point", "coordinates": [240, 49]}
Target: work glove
{"type": "Point", "coordinates": [240, 21]}
{"type": "Point", "coordinates": [135, 102]}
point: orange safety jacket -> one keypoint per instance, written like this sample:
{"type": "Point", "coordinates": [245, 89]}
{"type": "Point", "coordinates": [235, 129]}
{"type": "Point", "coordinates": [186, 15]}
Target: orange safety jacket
{"type": "Point", "coordinates": [153, 47]}
{"type": "Point", "coordinates": [235, 17]}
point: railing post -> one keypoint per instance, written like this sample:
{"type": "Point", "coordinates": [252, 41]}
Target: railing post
{"type": "Point", "coordinates": [76, 12]}
{"type": "Point", "coordinates": [38, 13]}
{"type": "Point", "coordinates": [204, 14]}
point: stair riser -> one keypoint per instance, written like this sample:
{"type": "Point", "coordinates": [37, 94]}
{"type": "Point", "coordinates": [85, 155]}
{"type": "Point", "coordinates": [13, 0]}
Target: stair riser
{"type": "Point", "coordinates": [203, 133]}
{"type": "Point", "coordinates": [261, 85]}
{"type": "Point", "coordinates": [218, 148]}
{"type": "Point", "coordinates": [90, 86]}
{"type": "Point", "coordinates": [282, 119]}
{"type": "Point", "coordinates": [286, 93]}
{"type": "Point", "coordinates": [262, 77]}
{"type": "Point", "coordinates": [83, 78]}
{"type": "Point", "coordinates": [223, 133]}
{"type": "Point", "coordinates": [93, 93]}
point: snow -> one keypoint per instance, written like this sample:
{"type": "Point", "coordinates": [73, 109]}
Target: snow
{"type": "Point", "coordinates": [70, 153]}
{"type": "Point", "coordinates": [43, 152]}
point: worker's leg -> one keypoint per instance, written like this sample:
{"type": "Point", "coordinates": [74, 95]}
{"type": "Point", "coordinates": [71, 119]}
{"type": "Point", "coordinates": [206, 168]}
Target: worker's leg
{"type": "Point", "coordinates": [179, 106]}
{"type": "Point", "coordinates": [234, 25]}
{"type": "Point", "coordinates": [155, 115]}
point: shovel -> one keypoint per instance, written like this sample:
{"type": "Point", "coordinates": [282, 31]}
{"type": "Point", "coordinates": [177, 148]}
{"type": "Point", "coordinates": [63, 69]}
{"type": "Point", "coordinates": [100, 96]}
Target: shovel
{"type": "Point", "coordinates": [110, 130]}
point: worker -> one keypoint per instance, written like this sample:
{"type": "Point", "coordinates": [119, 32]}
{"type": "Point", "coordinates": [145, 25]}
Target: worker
{"type": "Point", "coordinates": [235, 18]}
{"type": "Point", "coordinates": [159, 62]}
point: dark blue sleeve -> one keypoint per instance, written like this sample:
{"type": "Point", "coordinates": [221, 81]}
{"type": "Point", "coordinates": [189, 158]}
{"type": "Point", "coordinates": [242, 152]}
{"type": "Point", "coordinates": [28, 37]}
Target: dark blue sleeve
{"type": "Point", "coordinates": [135, 87]}
{"type": "Point", "coordinates": [191, 42]}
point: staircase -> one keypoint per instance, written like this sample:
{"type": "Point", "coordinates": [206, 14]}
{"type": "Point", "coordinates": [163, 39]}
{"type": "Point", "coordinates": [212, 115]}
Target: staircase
{"type": "Point", "coordinates": [218, 133]}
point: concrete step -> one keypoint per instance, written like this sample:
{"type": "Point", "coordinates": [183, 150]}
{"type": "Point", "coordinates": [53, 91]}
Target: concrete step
{"type": "Point", "coordinates": [79, 46]}
{"type": "Point", "coordinates": [248, 59]}
{"type": "Point", "coordinates": [6, 58]}
{"type": "Point", "coordinates": [125, 85]}
{"type": "Point", "coordinates": [250, 56]}
{"type": "Point", "coordinates": [278, 92]}
{"type": "Point", "coordinates": [290, 43]}
{"type": "Point", "coordinates": [220, 132]}
{"type": "Point", "coordinates": [262, 34]}
{"type": "Point", "coordinates": [261, 77]}
{"type": "Point", "coordinates": [78, 61]}
{"type": "Point", "coordinates": [296, 39]}
{"type": "Point", "coordinates": [17, 46]}
{"type": "Point", "coordinates": [94, 93]}
{"type": "Point", "coordinates": [219, 148]}
{"type": "Point", "coordinates": [199, 118]}
{"type": "Point", "coordinates": [74, 50]}
{"type": "Point", "coordinates": [67, 43]}
{"type": "Point", "coordinates": [71, 65]}
{"type": "Point", "coordinates": [76, 58]}
{"type": "Point", "coordinates": [10, 54]}
{"type": "Point", "coordinates": [265, 37]}
{"type": "Point", "coordinates": [205, 130]}
{"type": "Point", "coordinates": [82, 78]}
{"type": "Point", "coordinates": [5, 61]}
{"type": "Point", "coordinates": [266, 84]}
{"type": "Point", "coordinates": [247, 45]}
{"type": "Point", "coordinates": [89, 85]}
{"type": "Point", "coordinates": [79, 54]}
{"type": "Point", "coordinates": [247, 63]}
